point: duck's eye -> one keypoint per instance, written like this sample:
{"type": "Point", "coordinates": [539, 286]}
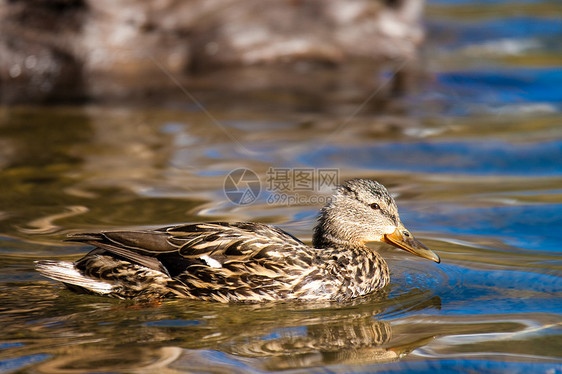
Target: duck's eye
{"type": "Point", "coordinates": [375, 206]}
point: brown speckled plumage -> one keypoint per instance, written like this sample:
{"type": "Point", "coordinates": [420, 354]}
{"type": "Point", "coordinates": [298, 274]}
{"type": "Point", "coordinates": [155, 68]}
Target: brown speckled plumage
{"type": "Point", "coordinates": [251, 262]}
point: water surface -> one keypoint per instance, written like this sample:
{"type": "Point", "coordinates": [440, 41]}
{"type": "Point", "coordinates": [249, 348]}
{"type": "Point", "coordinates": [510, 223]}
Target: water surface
{"type": "Point", "coordinates": [474, 160]}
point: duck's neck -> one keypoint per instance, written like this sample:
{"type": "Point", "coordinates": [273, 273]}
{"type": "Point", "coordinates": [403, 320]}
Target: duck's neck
{"type": "Point", "coordinates": [326, 240]}
{"type": "Point", "coordinates": [326, 237]}
{"type": "Point", "coordinates": [361, 269]}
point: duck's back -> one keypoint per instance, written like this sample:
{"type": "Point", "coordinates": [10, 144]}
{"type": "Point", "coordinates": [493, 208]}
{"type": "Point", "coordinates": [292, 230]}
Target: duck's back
{"type": "Point", "coordinates": [213, 261]}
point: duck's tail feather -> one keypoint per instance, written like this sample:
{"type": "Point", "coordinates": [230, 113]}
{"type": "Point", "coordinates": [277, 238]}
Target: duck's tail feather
{"type": "Point", "coordinates": [66, 273]}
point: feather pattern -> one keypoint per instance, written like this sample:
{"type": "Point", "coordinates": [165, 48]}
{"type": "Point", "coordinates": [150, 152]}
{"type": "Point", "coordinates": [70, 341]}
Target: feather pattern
{"type": "Point", "coordinates": [227, 262]}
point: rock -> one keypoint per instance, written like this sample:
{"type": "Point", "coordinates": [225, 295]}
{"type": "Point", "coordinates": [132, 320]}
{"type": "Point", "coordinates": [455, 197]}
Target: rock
{"type": "Point", "coordinates": [123, 49]}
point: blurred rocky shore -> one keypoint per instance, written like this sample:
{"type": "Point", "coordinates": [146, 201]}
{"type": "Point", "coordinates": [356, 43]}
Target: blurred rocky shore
{"type": "Point", "coordinates": [127, 50]}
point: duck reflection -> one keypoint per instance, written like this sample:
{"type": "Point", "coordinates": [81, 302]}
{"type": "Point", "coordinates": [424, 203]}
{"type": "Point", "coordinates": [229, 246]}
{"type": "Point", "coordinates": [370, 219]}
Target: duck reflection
{"type": "Point", "coordinates": [337, 337]}
{"type": "Point", "coordinates": [183, 336]}
{"type": "Point", "coordinates": [355, 340]}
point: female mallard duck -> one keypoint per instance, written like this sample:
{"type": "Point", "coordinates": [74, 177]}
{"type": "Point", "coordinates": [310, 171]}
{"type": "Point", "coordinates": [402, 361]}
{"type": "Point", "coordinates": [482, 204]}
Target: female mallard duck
{"type": "Point", "coordinates": [249, 262]}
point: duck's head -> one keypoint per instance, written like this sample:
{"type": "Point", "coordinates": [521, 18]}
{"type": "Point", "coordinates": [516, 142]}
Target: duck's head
{"type": "Point", "coordinates": [363, 211]}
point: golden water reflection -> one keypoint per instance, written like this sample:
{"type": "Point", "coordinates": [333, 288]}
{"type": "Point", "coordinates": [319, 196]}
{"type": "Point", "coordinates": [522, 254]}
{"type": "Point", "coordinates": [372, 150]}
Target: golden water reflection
{"type": "Point", "coordinates": [84, 333]}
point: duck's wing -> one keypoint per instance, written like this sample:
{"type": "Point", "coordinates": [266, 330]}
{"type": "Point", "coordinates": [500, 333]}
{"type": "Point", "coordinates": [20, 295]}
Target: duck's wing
{"type": "Point", "coordinates": [222, 244]}
{"type": "Point", "coordinates": [173, 249]}
{"type": "Point", "coordinates": [140, 247]}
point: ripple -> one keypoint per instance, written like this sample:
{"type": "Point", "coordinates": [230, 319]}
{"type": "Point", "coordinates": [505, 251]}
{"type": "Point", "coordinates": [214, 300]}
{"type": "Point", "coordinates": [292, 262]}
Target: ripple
{"type": "Point", "coordinates": [46, 225]}
{"type": "Point", "coordinates": [482, 157]}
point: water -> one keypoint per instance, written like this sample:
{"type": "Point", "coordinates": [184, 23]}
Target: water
{"type": "Point", "coordinates": [475, 163]}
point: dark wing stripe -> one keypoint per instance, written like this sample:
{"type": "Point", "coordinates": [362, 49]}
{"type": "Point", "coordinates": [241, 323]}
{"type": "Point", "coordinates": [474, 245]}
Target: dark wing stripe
{"type": "Point", "coordinates": [141, 241]}
{"type": "Point", "coordinates": [104, 241]}
{"type": "Point", "coordinates": [149, 262]}
{"type": "Point", "coordinates": [185, 248]}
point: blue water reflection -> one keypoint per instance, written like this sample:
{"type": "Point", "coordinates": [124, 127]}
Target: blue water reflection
{"type": "Point", "coordinates": [478, 157]}
{"type": "Point", "coordinates": [532, 226]}
{"type": "Point", "coordinates": [519, 28]}
{"type": "Point", "coordinates": [497, 291]}
{"type": "Point", "coordinates": [472, 366]}
{"type": "Point", "coordinates": [511, 86]}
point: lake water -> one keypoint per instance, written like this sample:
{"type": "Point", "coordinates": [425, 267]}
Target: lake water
{"type": "Point", "coordinates": [474, 159]}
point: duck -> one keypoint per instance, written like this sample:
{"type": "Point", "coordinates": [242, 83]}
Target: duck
{"type": "Point", "coordinates": [246, 261]}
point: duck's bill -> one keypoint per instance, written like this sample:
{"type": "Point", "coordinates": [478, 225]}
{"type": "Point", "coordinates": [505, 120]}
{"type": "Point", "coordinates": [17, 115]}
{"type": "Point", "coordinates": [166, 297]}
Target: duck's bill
{"type": "Point", "coordinates": [410, 244]}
